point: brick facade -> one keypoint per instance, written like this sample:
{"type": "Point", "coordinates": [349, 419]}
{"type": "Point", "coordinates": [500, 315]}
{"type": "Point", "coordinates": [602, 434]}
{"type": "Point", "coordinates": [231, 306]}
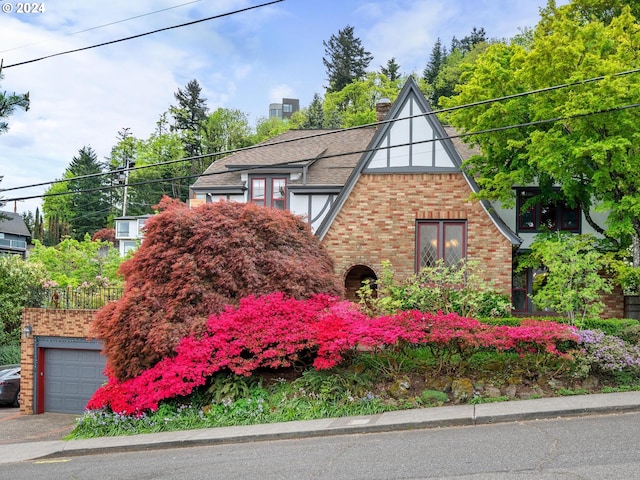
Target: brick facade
{"type": "Point", "coordinates": [378, 222]}
{"type": "Point", "coordinates": [47, 323]}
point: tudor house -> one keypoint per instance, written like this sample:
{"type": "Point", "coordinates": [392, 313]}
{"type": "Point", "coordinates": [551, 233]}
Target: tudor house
{"type": "Point", "coordinates": [396, 192]}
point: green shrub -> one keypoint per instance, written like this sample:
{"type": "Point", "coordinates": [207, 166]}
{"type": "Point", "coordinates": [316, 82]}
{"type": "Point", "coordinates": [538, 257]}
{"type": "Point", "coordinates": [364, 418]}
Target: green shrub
{"type": "Point", "coordinates": [612, 326]}
{"type": "Point", "coordinates": [572, 283]}
{"type": "Point", "coordinates": [9, 354]}
{"type": "Point", "coordinates": [443, 288]}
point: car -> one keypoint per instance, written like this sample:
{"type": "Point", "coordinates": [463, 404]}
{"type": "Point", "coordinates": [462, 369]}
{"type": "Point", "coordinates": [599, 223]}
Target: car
{"type": "Point", "coordinates": [10, 385]}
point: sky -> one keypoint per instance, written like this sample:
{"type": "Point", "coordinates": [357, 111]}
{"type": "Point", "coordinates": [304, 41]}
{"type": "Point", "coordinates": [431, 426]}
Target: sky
{"type": "Point", "coordinates": [242, 61]}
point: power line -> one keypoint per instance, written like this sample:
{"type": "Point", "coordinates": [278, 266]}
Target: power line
{"type": "Point", "coordinates": [106, 25]}
{"type": "Point", "coordinates": [289, 162]}
{"type": "Point", "coordinates": [242, 10]}
{"type": "Point", "coordinates": [332, 132]}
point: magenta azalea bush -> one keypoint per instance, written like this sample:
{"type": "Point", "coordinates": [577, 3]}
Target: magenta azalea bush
{"type": "Point", "coordinates": [275, 331]}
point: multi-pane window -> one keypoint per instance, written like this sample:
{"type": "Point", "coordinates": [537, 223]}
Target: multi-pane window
{"type": "Point", "coordinates": [278, 190]}
{"type": "Point", "coordinates": [258, 190]}
{"type": "Point", "coordinates": [440, 240]}
{"type": "Point", "coordinates": [269, 192]}
{"type": "Point", "coordinates": [545, 216]}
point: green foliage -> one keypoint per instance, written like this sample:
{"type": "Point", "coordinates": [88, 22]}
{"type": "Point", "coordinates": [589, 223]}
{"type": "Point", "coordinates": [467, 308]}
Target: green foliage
{"type": "Point", "coordinates": [572, 283]}
{"type": "Point", "coordinates": [8, 105]}
{"type": "Point", "coordinates": [229, 387]}
{"type": "Point", "coordinates": [267, 128]}
{"type": "Point", "coordinates": [225, 130]}
{"type": "Point", "coordinates": [355, 103]}
{"type": "Point", "coordinates": [457, 288]}
{"type": "Point", "coordinates": [73, 263]}
{"type": "Point", "coordinates": [592, 156]}
{"type": "Point", "coordinates": [10, 354]}
{"type": "Point", "coordinates": [189, 116]}
{"type": "Point", "coordinates": [195, 262]}
{"type": "Point", "coordinates": [149, 184]}
{"type": "Point", "coordinates": [90, 205]}
{"type": "Point", "coordinates": [18, 281]}
{"type": "Point", "coordinates": [391, 70]}
{"type": "Point", "coordinates": [620, 327]}
{"type": "Point", "coordinates": [345, 59]}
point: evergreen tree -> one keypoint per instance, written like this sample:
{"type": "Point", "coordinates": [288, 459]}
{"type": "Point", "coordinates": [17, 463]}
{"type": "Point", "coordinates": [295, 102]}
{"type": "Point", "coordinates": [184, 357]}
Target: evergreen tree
{"type": "Point", "coordinates": [188, 117]}
{"type": "Point", "coordinates": [392, 70]}
{"type": "Point", "coordinates": [467, 43]}
{"type": "Point", "coordinates": [346, 59]}
{"type": "Point", "coordinates": [315, 114]}
{"type": "Point", "coordinates": [438, 56]}
{"type": "Point", "coordinates": [9, 103]}
{"type": "Point", "coordinates": [88, 203]}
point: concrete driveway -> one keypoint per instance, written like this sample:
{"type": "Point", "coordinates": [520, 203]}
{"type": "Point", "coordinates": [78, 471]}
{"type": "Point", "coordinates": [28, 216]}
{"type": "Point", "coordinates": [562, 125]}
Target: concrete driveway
{"type": "Point", "coordinates": [18, 428]}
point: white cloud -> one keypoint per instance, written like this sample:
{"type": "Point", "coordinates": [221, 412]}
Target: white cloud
{"type": "Point", "coordinates": [243, 62]}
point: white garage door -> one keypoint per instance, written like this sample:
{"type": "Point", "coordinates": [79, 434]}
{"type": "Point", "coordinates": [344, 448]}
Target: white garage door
{"type": "Point", "coordinates": [71, 377]}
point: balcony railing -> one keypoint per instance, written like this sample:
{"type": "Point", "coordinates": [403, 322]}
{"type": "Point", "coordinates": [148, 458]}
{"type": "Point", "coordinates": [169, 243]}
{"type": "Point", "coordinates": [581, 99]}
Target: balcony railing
{"type": "Point", "coordinates": [73, 298]}
{"type": "Point", "coordinates": [17, 244]}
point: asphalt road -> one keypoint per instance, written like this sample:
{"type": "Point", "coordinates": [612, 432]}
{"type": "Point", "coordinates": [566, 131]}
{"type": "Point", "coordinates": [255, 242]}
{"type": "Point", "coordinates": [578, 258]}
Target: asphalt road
{"type": "Point", "coordinates": [589, 448]}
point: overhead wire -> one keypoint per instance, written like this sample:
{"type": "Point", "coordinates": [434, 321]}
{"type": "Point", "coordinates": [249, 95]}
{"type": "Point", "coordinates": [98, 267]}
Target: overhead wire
{"type": "Point", "coordinates": [352, 152]}
{"type": "Point", "coordinates": [116, 22]}
{"type": "Point", "coordinates": [337, 131]}
{"type": "Point", "coordinates": [111, 42]}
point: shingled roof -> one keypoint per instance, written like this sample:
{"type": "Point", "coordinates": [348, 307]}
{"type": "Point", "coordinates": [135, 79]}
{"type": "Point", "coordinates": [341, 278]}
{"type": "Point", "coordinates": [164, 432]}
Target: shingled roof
{"type": "Point", "coordinates": [14, 224]}
{"type": "Point", "coordinates": [326, 158]}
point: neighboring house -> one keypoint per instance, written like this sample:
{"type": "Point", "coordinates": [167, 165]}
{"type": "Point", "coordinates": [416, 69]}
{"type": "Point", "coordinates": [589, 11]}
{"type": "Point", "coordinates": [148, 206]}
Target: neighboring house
{"type": "Point", "coordinates": [285, 109]}
{"type": "Point", "coordinates": [14, 234]}
{"type": "Point", "coordinates": [393, 193]}
{"type": "Point", "coordinates": [129, 232]}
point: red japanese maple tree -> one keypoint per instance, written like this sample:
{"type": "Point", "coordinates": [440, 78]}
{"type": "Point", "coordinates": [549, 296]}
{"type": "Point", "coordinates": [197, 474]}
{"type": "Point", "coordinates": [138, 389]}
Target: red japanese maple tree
{"type": "Point", "coordinates": [194, 262]}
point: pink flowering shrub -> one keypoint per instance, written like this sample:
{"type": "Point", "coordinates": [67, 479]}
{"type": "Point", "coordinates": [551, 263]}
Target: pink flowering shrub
{"type": "Point", "coordinates": [276, 331]}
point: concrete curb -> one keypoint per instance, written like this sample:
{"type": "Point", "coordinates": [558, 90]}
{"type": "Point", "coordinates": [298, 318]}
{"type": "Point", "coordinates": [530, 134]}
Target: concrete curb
{"type": "Point", "coordinates": [462, 415]}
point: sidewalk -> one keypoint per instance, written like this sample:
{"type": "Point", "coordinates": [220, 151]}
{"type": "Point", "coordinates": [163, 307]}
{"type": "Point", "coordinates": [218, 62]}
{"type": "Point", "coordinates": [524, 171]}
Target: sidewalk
{"type": "Point", "coordinates": [468, 415]}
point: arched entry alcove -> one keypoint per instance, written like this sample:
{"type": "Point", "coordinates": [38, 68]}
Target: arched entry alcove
{"type": "Point", "coordinates": [355, 278]}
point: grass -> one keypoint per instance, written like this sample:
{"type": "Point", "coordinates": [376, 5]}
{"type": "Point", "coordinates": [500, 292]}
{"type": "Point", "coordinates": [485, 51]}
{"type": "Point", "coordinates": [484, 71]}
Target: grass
{"type": "Point", "coordinates": [369, 383]}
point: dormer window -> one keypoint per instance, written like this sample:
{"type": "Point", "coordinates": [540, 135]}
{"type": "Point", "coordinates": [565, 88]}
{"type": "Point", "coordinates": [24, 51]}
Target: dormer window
{"type": "Point", "coordinates": [269, 192]}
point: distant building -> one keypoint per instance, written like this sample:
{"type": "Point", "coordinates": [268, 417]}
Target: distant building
{"type": "Point", "coordinates": [14, 234]}
{"type": "Point", "coordinates": [284, 109]}
{"type": "Point", "coordinates": [129, 232]}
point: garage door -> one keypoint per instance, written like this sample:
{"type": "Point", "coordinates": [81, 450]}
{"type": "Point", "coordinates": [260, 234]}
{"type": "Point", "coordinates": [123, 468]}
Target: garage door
{"type": "Point", "coordinates": [71, 377]}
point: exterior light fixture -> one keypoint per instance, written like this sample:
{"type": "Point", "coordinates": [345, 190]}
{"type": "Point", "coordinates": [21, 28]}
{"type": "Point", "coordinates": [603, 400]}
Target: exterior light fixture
{"type": "Point", "coordinates": [27, 331]}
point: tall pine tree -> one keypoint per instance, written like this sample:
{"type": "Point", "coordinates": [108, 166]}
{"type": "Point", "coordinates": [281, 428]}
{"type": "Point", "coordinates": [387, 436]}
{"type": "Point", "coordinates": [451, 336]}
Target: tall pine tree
{"type": "Point", "coordinates": [391, 70]}
{"type": "Point", "coordinates": [89, 202]}
{"type": "Point", "coordinates": [189, 116]}
{"type": "Point", "coordinates": [346, 59]}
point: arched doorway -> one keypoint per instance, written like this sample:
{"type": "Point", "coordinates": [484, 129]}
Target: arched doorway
{"type": "Point", "coordinates": [355, 278]}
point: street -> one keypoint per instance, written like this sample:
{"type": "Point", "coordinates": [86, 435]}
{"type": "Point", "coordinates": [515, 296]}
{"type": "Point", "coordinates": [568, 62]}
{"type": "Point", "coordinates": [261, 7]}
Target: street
{"type": "Point", "coordinates": [596, 447]}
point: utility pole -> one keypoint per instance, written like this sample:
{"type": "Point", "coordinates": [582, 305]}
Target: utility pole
{"type": "Point", "coordinates": [128, 164]}
{"type": "Point", "coordinates": [126, 186]}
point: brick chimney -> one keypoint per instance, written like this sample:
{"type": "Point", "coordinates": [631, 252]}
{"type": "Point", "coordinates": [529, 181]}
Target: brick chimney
{"type": "Point", "coordinates": [382, 108]}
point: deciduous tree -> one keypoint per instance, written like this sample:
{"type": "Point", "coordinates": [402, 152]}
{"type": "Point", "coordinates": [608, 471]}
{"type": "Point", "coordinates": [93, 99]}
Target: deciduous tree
{"type": "Point", "coordinates": [194, 262]}
{"type": "Point", "coordinates": [591, 151]}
